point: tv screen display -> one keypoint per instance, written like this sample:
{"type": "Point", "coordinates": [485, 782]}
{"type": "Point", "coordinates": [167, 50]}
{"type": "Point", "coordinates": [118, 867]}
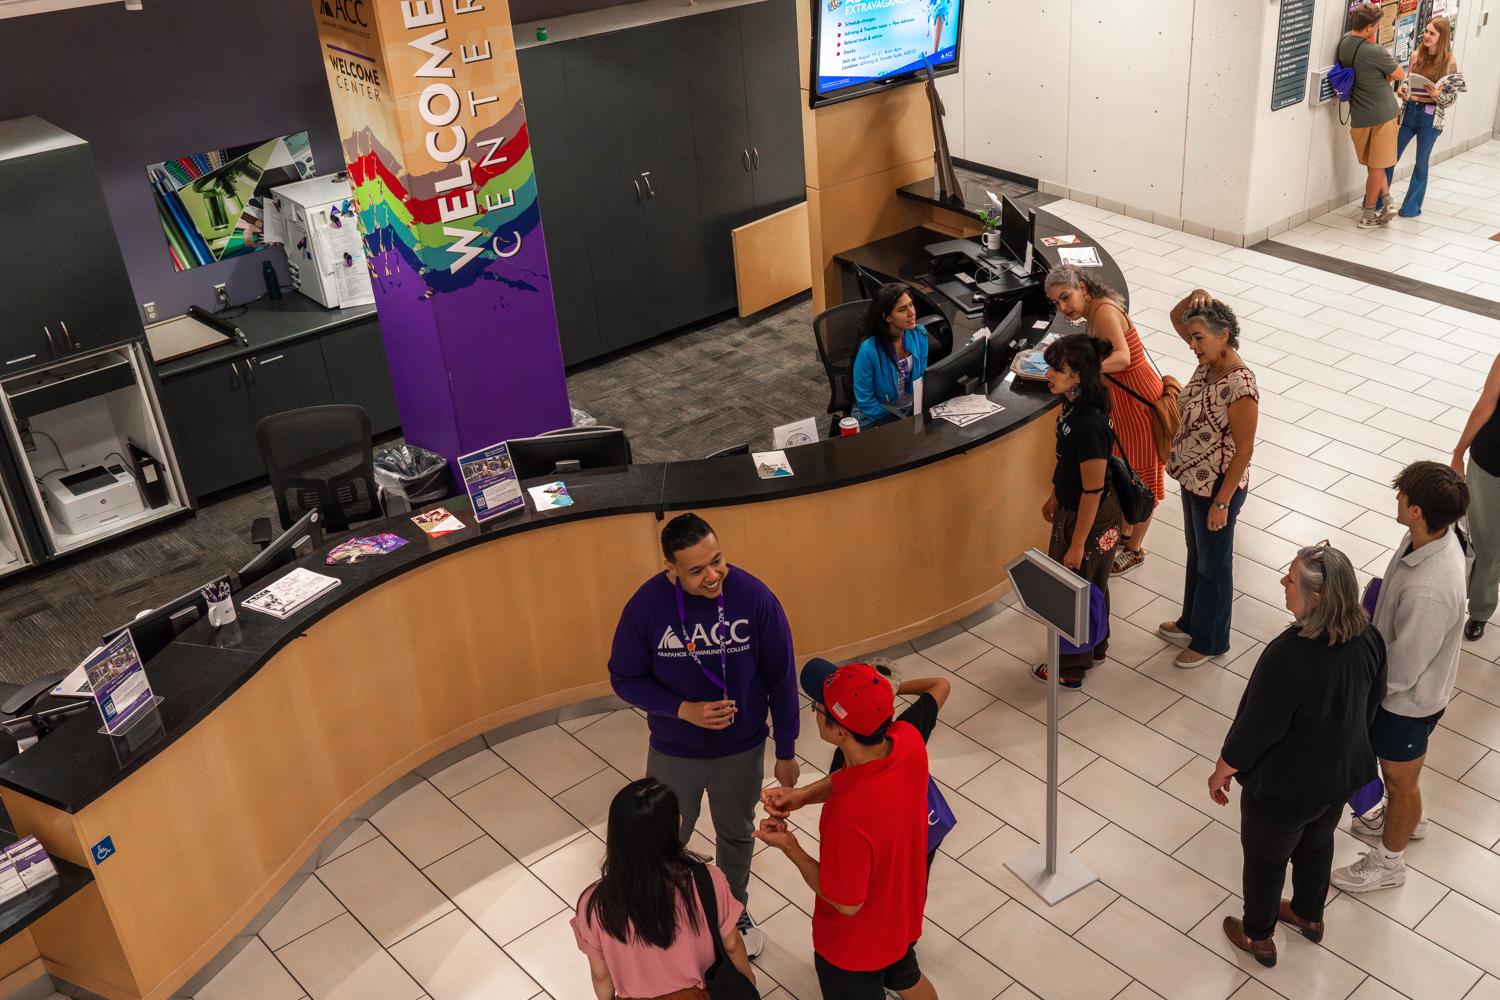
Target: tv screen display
{"type": "Point", "coordinates": [860, 46]}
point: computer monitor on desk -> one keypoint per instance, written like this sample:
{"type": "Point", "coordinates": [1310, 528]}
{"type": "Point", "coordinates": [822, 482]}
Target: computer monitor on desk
{"type": "Point", "coordinates": [1017, 229]}
{"type": "Point", "coordinates": [942, 381]}
{"type": "Point", "coordinates": [570, 449]}
{"type": "Point", "coordinates": [155, 629]}
{"type": "Point", "coordinates": [1006, 340]}
{"type": "Point", "coordinates": [283, 548]}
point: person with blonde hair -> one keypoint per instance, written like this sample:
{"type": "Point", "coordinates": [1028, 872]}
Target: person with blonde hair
{"type": "Point", "coordinates": [1422, 113]}
{"type": "Point", "coordinates": [1299, 746]}
{"type": "Point", "coordinates": [1133, 386]}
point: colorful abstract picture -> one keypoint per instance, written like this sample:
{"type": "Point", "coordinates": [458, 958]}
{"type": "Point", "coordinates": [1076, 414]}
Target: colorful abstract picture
{"type": "Point", "coordinates": [212, 206]}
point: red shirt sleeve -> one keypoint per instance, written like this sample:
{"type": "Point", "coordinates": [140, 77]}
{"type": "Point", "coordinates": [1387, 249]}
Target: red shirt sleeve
{"type": "Point", "coordinates": [845, 864]}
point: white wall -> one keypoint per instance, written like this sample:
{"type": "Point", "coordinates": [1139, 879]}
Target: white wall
{"type": "Point", "coordinates": [1169, 113]}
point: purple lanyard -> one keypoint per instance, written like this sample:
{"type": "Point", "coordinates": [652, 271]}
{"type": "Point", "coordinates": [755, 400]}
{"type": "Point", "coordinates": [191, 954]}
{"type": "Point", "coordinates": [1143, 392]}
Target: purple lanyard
{"type": "Point", "coordinates": [722, 683]}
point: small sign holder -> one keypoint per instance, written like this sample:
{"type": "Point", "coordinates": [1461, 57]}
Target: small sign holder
{"type": "Point", "coordinates": [1060, 598]}
{"type": "Point", "coordinates": [490, 479]}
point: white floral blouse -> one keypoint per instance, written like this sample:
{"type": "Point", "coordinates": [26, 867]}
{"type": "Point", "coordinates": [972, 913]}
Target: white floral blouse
{"type": "Point", "coordinates": [1203, 447]}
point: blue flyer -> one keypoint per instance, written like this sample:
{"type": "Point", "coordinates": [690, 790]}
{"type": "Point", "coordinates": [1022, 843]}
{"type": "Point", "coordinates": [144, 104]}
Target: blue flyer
{"type": "Point", "coordinates": [119, 682]}
{"type": "Point", "coordinates": [491, 482]}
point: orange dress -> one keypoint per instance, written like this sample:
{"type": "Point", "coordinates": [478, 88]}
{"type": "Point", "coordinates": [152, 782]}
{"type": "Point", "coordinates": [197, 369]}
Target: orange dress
{"type": "Point", "coordinates": [1132, 418]}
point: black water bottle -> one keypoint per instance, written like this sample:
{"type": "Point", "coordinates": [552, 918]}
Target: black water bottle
{"type": "Point", "coordinates": [273, 283]}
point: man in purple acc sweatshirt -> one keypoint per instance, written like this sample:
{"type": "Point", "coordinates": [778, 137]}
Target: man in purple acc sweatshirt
{"type": "Point", "coordinates": [706, 651]}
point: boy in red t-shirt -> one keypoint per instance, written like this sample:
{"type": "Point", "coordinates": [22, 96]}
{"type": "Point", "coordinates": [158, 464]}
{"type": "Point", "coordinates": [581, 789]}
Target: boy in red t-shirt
{"type": "Point", "coordinates": [871, 883]}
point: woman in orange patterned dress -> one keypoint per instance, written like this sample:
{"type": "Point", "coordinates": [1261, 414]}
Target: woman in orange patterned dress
{"type": "Point", "coordinates": [1078, 295]}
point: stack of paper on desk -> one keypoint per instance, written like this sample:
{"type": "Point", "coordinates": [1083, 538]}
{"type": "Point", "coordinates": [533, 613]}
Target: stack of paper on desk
{"type": "Point", "coordinates": [964, 410]}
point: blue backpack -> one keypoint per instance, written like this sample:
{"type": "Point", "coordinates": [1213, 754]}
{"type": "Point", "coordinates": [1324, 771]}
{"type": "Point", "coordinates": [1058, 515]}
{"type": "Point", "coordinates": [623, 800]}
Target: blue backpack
{"type": "Point", "coordinates": [1098, 624]}
{"type": "Point", "coordinates": [1341, 77]}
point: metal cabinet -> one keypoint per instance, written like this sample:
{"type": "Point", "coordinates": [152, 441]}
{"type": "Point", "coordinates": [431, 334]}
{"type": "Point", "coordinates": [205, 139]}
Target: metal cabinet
{"type": "Point", "coordinates": [65, 289]}
{"type": "Point", "coordinates": [651, 144]}
{"type": "Point", "coordinates": [358, 372]}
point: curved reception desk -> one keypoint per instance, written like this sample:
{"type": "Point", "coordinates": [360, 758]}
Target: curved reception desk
{"type": "Point", "coordinates": [264, 747]}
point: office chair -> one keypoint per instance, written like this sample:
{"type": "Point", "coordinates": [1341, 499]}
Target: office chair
{"type": "Point", "coordinates": [734, 449]}
{"type": "Point", "coordinates": [319, 457]}
{"type": "Point", "coordinates": [939, 330]}
{"type": "Point", "coordinates": [31, 710]}
{"type": "Point", "coordinates": [837, 332]}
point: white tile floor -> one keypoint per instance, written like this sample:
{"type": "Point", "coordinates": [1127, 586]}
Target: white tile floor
{"type": "Point", "coordinates": [463, 886]}
{"type": "Point", "coordinates": [1449, 244]}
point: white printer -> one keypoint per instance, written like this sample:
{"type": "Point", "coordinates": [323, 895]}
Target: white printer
{"type": "Point", "coordinates": [85, 499]}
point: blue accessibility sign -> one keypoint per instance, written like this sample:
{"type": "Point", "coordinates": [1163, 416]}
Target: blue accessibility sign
{"type": "Point", "coordinates": [102, 850]}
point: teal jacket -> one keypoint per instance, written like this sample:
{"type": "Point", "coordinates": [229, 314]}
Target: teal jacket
{"type": "Point", "coordinates": [875, 375]}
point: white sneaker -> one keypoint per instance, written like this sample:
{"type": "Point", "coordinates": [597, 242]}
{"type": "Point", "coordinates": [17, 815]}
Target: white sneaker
{"type": "Point", "coordinates": [755, 941]}
{"type": "Point", "coordinates": [1370, 872]}
{"type": "Point", "coordinates": [1372, 824]}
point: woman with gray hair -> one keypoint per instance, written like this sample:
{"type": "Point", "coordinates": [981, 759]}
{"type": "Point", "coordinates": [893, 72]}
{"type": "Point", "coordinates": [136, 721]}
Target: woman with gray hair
{"type": "Point", "coordinates": [1211, 461]}
{"type": "Point", "coordinates": [1300, 746]}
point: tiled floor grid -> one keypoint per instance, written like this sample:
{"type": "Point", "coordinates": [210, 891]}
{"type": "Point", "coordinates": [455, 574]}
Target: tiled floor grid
{"type": "Point", "coordinates": [463, 886]}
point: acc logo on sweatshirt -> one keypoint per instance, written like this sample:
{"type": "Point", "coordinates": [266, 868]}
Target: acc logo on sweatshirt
{"type": "Point", "coordinates": [706, 640]}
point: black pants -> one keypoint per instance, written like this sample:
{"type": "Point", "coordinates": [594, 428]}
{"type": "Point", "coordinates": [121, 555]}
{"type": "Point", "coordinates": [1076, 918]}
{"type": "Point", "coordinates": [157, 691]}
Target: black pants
{"type": "Point", "coordinates": [1273, 833]}
{"type": "Point", "coordinates": [842, 984]}
{"type": "Point", "coordinates": [1098, 564]}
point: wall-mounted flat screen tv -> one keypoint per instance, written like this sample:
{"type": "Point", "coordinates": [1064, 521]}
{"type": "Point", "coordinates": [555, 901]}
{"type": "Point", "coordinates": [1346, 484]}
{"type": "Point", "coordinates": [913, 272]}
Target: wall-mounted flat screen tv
{"type": "Point", "coordinates": [861, 46]}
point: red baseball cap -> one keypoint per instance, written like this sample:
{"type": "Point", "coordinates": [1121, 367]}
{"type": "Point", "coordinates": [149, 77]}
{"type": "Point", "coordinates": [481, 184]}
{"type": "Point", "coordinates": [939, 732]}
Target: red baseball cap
{"type": "Point", "coordinates": [855, 696]}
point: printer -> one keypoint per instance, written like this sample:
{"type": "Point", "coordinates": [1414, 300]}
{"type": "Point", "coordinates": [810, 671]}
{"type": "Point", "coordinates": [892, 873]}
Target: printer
{"type": "Point", "coordinates": [89, 498]}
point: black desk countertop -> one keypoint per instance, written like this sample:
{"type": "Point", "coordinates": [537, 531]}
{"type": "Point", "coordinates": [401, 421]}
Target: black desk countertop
{"type": "Point", "coordinates": [267, 324]}
{"type": "Point", "coordinates": [76, 764]}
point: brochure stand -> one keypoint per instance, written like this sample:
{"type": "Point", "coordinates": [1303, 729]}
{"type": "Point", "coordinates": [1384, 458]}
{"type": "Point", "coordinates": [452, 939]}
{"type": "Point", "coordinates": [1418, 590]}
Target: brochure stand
{"type": "Point", "coordinates": [1060, 598]}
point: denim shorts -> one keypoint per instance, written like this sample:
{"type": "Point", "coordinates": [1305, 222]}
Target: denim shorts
{"type": "Point", "coordinates": [1400, 738]}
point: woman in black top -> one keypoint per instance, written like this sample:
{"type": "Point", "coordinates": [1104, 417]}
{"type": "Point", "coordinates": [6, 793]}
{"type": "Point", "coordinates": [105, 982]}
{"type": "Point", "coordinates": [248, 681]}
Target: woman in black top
{"type": "Point", "coordinates": [1481, 439]}
{"type": "Point", "coordinates": [1083, 510]}
{"type": "Point", "coordinates": [1300, 746]}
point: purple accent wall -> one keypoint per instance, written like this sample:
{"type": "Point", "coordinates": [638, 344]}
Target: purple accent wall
{"type": "Point", "coordinates": [177, 78]}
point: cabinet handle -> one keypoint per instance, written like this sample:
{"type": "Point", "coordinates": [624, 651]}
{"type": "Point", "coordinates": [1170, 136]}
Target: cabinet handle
{"type": "Point", "coordinates": [745, 155]}
{"type": "Point", "coordinates": [234, 375]}
{"type": "Point", "coordinates": [637, 184]}
{"type": "Point", "coordinates": [68, 340]}
{"type": "Point", "coordinates": [51, 342]}
{"type": "Point", "coordinates": [249, 371]}
{"type": "Point", "coordinates": [755, 155]}
{"type": "Point", "coordinates": [16, 361]}
{"type": "Point", "coordinates": [266, 361]}
{"type": "Point", "coordinates": [646, 176]}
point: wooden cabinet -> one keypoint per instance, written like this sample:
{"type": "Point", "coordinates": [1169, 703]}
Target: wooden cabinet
{"type": "Point", "coordinates": [651, 144]}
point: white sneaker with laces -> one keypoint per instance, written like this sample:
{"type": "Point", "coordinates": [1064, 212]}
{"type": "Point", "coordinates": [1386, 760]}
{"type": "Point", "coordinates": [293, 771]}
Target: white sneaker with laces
{"type": "Point", "coordinates": [1372, 824]}
{"type": "Point", "coordinates": [1370, 872]}
{"type": "Point", "coordinates": [755, 941]}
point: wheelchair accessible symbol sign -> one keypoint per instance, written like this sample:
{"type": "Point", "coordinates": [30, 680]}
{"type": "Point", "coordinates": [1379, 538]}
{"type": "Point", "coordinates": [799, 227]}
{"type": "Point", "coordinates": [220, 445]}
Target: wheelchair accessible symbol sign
{"type": "Point", "coordinates": [102, 850]}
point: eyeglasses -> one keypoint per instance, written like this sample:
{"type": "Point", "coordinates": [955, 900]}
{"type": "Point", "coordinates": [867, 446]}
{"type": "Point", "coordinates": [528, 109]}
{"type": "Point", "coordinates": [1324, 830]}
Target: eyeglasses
{"type": "Point", "coordinates": [1322, 547]}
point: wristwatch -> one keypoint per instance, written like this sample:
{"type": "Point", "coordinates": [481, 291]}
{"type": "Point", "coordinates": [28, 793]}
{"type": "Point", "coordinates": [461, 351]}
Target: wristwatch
{"type": "Point", "coordinates": [1221, 506]}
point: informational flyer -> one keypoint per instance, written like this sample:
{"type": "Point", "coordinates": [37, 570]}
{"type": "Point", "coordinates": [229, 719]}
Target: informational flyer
{"type": "Point", "coordinates": [1406, 29]}
{"type": "Point", "coordinates": [437, 522]}
{"type": "Point", "coordinates": [118, 681]}
{"type": "Point", "coordinates": [491, 482]}
{"type": "Point", "coordinates": [31, 861]}
{"type": "Point", "coordinates": [864, 40]}
{"type": "Point", "coordinates": [551, 495]}
{"type": "Point", "coordinates": [11, 884]}
{"type": "Point", "coordinates": [356, 549]}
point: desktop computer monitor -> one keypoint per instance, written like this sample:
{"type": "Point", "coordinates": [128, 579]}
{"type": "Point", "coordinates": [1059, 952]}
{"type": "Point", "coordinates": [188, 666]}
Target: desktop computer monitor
{"type": "Point", "coordinates": [940, 382]}
{"type": "Point", "coordinates": [570, 450]}
{"type": "Point", "coordinates": [1016, 228]}
{"type": "Point", "coordinates": [156, 628]}
{"type": "Point", "coordinates": [1006, 340]}
{"type": "Point", "coordinates": [283, 548]}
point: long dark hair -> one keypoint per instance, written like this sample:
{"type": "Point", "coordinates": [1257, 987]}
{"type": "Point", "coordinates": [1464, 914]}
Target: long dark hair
{"type": "Point", "coordinates": [1081, 355]}
{"type": "Point", "coordinates": [874, 323]}
{"type": "Point", "coordinates": [646, 868]}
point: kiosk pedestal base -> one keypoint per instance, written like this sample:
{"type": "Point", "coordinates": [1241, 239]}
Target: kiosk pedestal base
{"type": "Point", "coordinates": [1031, 868]}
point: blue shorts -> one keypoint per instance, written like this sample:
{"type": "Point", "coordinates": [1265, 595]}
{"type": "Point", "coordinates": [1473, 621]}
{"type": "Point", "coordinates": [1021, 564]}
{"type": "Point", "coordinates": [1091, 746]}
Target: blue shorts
{"type": "Point", "coordinates": [1400, 738]}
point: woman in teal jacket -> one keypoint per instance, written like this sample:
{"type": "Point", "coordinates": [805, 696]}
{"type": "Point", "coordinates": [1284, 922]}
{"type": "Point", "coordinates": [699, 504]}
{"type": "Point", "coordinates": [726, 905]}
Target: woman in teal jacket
{"type": "Point", "coordinates": [891, 353]}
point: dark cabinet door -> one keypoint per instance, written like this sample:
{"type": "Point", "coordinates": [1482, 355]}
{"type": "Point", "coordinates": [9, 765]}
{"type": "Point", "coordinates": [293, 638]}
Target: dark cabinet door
{"type": "Point", "coordinates": [710, 52]}
{"type": "Point", "coordinates": [768, 33]}
{"type": "Point", "coordinates": [213, 427]}
{"type": "Point", "coordinates": [358, 373]}
{"type": "Point", "coordinates": [60, 260]}
{"type": "Point", "coordinates": [610, 89]}
{"type": "Point", "coordinates": [565, 181]}
{"type": "Point", "coordinates": [288, 378]}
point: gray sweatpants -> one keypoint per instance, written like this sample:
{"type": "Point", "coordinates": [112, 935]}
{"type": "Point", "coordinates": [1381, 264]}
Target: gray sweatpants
{"type": "Point", "coordinates": [1484, 532]}
{"type": "Point", "coordinates": [733, 786]}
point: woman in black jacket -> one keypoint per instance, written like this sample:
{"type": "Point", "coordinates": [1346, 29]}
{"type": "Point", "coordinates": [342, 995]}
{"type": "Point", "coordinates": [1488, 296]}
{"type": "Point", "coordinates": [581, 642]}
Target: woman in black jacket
{"type": "Point", "coordinates": [1300, 746]}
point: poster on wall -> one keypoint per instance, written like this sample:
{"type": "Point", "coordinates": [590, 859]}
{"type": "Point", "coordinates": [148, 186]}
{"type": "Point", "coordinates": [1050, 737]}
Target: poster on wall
{"type": "Point", "coordinates": [864, 40]}
{"type": "Point", "coordinates": [210, 204]}
{"type": "Point", "coordinates": [1406, 28]}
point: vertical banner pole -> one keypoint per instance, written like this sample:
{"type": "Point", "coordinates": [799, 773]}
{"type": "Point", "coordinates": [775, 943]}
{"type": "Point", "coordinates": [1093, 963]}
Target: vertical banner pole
{"type": "Point", "coordinates": [1054, 654]}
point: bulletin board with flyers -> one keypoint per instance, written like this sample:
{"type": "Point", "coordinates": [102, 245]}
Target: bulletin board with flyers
{"type": "Point", "coordinates": [1402, 23]}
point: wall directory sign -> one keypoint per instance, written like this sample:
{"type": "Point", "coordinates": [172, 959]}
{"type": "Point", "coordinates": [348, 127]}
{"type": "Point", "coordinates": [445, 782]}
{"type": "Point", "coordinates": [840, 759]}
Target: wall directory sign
{"type": "Point", "coordinates": [428, 100]}
{"type": "Point", "coordinates": [1293, 46]}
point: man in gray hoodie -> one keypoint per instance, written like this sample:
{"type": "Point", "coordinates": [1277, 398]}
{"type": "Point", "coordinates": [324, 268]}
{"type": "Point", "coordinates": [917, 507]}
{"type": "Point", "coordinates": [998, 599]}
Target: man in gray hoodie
{"type": "Point", "coordinates": [1420, 614]}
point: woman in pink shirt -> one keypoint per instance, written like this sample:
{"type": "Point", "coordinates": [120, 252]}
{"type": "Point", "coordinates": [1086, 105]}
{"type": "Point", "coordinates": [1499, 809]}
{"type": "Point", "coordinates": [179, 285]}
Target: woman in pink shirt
{"type": "Point", "coordinates": [641, 925]}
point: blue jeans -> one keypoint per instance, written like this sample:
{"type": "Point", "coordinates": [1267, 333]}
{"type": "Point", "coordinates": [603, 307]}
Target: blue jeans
{"type": "Point", "coordinates": [1416, 122]}
{"type": "Point", "coordinates": [1209, 590]}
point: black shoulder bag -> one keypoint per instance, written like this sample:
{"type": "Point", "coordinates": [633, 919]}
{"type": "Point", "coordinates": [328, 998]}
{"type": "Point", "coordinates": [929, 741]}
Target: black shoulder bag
{"type": "Point", "coordinates": [1136, 499]}
{"type": "Point", "coordinates": [722, 980]}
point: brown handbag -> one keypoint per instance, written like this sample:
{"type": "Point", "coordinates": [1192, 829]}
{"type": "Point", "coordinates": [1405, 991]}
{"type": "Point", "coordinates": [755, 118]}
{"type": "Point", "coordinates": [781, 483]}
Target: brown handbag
{"type": "Point", "coordinates": [1165, 417]}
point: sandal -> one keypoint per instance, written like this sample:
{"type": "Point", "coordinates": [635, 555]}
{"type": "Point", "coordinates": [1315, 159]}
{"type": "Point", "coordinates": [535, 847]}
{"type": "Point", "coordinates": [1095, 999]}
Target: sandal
{"type": "Point", "coordinates": [1127, 559]}
{"type": "Point", "coordinates": [1039, 673]}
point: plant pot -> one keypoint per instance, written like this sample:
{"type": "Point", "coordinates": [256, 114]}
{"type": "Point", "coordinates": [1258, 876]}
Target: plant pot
{"type": "Point", "coordinates": [991, 239]}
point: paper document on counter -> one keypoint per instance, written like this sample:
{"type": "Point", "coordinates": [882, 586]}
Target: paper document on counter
{"type": "Point", "coordinates": [31, 861]}
{"type": "Point", "coordinates": [1080, 256]}
{"type": "Point", "coordinates": [771, 464]}
{"type": "Point", "coordinates": [965, 410]}
{"type": "Point", "coordinates": [549, 496]}
{"type": "Point", "coordinates": [291, 593]}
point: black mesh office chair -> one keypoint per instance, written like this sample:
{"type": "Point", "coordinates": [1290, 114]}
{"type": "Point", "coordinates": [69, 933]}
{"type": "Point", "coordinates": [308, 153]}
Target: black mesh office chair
{"type": "Point", "coordinates": [731, 451]}
{"type": "Point", "coordinates": [939, 330]}
{"type": "Point", "coordinates": [837, 332]}
{"type": "Point", "coordinates": [319, 458]}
